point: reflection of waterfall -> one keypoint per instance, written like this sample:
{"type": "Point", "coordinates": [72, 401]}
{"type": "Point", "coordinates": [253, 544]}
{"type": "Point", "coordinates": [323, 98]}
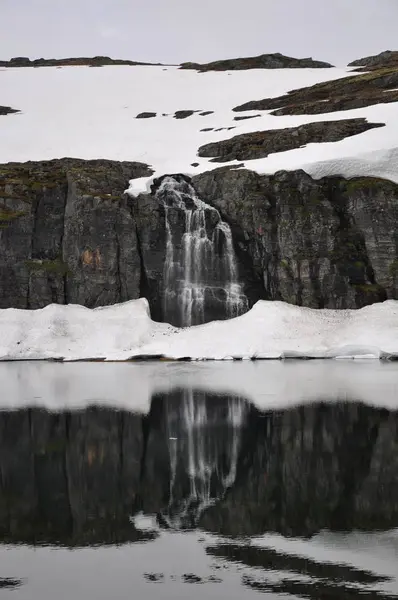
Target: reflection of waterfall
{"type": "Point", "coordinates": [204, 442]}
{"type": "Point", "coordinates": [200, 271]}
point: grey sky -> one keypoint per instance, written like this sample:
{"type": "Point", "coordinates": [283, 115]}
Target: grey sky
{"type": "Point", "coordinates": [200, 30]}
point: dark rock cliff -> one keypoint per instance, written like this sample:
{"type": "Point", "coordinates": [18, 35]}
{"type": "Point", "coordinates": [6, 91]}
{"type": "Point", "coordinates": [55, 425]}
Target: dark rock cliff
{"type": "Point", "coordinates": [330, 243]}
{"type": "Point", "coordinates": [69, 234]}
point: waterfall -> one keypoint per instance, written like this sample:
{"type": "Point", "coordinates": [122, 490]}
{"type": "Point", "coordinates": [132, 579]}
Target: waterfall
{"type": "Point", "coordinates": [200, 271]}
{"type": "Point", "coordinates": [204, 444]}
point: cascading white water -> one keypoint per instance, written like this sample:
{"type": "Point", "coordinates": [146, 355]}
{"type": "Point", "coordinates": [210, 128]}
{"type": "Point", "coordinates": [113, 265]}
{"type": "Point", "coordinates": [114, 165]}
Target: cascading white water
{"type": "Point", "coordinates": [204, 443]}
{"type": "Point", "coordinates": [200, 271]}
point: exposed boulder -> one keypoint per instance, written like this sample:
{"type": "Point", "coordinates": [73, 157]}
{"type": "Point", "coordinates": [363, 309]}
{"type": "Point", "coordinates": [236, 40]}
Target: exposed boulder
{"type": "Point", "coordinates": [245, 117]}
{"type": "Point", "coordinates": [184, 114]}
{"type": "Point", "coordinates": [388, 58]}
{"type": "Point", "coordinates": [146, 115]}
{"type": "Point", "coordinates": [264, 61]}
{"type": "Point", "coordinates": [260, 144]}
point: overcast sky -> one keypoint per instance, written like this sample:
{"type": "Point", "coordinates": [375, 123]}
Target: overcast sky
{"type": "Point", "coordinates": [173, 31]}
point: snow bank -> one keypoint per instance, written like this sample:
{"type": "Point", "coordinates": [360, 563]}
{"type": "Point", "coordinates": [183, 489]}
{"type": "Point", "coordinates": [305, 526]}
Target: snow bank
{"type": "Point", "coordinates": [269, 330]}
{"type": "Point", "coordinates": [91, 113]}
{"type": "Point", "coordinates": [75, 332]}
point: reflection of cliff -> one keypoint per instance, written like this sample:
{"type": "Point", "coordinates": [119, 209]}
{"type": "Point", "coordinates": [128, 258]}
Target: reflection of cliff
{"type": "Point", "coordinates": [196, 459]}
{"type": "Point", "coordinates": [297, 471]}
{"type": "Point", "coordinates": [314, 467]}
{"type": "Point", "coordinates": [69, 478]}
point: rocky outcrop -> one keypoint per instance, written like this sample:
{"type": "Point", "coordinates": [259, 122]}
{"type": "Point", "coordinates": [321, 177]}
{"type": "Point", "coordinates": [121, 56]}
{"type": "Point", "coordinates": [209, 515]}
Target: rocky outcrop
{"type": "Point", "coordinates": [324, 244]}
{"type": "Point", "coordinates": [96, 61]}
{"type": "Point", "coordinates": [259, 144]}
{"type": "Point", "coordinates": [264, 61]}
{"type": "Point", "coordinates": [377, 87]}
{"type": "Point", "coordinates": [388, 58]}
{"type": "Point", "coordinates": [67, 233]}
{"type": "Point", "coordinates": [7, 110]}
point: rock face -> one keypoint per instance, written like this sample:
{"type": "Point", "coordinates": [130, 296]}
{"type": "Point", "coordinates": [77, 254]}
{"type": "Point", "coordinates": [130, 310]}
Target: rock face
{"type": "Point", "coordinates": [264, 61]}
{"type": "Point", "coordinates": [330, 243]}
{"type": "Point", "coordinates": [260, 144]}
{"type": "Point", "coordinates": [69, 234]}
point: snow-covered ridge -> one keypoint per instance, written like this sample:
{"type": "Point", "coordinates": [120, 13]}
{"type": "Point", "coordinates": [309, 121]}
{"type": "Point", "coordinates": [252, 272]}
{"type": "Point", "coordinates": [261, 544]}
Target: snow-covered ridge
{"type": "Point", "coordinates": [91, 113]}
{"type": "Point", "coordinates": [270, 330]}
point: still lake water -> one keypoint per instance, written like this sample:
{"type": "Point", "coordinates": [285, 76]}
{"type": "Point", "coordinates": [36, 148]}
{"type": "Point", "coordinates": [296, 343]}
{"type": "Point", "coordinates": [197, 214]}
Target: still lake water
{"type": "Point", "coordinates": [169, 480]}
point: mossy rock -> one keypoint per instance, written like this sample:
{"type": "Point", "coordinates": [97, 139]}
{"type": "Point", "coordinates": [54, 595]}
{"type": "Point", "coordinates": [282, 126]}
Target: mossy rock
{"type": "Point", "coordinates": [55, 267]}
{"type": "Point", "coordinates": [366, 184]}
{"type": "Point", "coordinates": [393, 268]}
{"type": "Point", "coordinates": [7, 216]}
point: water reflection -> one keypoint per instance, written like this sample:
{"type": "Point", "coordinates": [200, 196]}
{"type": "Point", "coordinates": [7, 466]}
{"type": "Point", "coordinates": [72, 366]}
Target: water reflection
{"type": "Point", "coordinates": [191, 454]}
{"type": "Point", "coordinates": [214, 462]}
{"type": "Point", "coordinates": [197, 460]}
